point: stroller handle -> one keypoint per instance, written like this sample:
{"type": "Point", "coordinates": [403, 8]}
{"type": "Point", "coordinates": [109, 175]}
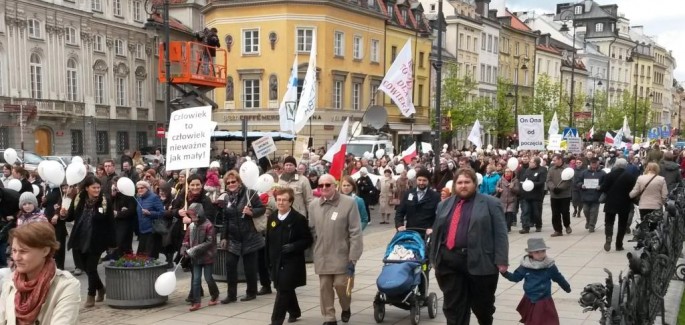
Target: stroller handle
{"type": "Point", "coordinates": [426, 237]}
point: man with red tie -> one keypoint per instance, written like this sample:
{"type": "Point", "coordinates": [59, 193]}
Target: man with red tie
{"type": "Point", "coordinates": [469, 248]}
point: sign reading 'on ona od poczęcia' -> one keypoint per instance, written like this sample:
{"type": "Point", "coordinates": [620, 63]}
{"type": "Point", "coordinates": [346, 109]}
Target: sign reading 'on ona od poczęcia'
{"type": "Point", "coordinates": [188, 140]}
{"type": "Point", "coordinates": [531, 132]}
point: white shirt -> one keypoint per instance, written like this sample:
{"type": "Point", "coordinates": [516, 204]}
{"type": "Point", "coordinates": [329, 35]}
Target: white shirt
{"type": "Point", "coordinates": [282, 217]}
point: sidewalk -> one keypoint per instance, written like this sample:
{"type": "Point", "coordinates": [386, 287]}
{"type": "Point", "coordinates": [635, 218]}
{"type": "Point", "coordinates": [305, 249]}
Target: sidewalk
{"type": "Point", "coordinates": [579, 256]}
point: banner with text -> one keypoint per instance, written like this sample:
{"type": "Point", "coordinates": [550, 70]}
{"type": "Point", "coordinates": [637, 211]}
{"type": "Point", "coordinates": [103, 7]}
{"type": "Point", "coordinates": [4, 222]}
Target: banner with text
{"type": "Point", "coordinates": [531, 132]}
{"type": "Point", "coordinates": [574, 145]}
{"type": "Point", "coordinates": [188, 139]}
{"type": "Point", "coordinates": [263, 146]}
{"type": "Point", "coordinates": [554, 142]}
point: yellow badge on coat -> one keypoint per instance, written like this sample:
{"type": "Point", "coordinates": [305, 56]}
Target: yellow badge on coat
{"type": "Point", "coordinates": [273, 224]}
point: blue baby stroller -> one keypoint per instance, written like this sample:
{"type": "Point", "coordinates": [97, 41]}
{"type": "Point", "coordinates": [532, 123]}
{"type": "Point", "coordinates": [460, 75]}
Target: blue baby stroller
{"type": "Point", "coordinates": [403, 281]}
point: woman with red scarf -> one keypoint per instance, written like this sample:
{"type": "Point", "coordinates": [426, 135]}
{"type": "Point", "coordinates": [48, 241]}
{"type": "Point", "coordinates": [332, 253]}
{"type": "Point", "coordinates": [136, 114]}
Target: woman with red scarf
{"type": "Point", "coordinates": [39, 293]}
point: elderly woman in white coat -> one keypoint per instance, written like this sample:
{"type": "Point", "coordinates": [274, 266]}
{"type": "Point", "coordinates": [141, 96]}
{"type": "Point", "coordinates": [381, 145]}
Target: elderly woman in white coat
{"type": "Point", "coordinates": [37, 292]}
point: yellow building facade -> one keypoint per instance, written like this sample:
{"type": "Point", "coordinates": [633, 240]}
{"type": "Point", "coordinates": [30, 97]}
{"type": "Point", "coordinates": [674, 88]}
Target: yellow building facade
{"type": "Point", "coordinates": [517, 47]}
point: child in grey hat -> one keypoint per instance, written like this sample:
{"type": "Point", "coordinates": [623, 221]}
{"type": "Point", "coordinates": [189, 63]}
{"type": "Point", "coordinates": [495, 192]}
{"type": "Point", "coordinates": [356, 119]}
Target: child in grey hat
{"type": "Point", "coordinates": [29, 211]}
{"type": "Point", "coordinates": [538, 271]}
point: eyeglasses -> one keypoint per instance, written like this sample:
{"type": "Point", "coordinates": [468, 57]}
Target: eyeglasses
{"type": "Point", "coordinates": [231, 182]}
{"type": "Point", "coordinates": [326, 185]}
{"type": "Point", "coordinates": [141, 188]}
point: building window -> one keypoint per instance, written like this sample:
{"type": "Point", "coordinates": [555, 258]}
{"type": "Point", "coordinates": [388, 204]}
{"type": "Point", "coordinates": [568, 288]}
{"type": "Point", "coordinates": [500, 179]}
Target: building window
{"type": "Point", "coordinates": [421, 55]}
{"type": "Point", "coordinates": [482, 73]}
{"type": "Point", "coordinates": [70, 36]}
{"type": "Point", "coordinates": [356, 96]}
{"type": "Point", "coordinates": [122, 141]}
{"type": "Point", "coordinates": [101, 142]}
{"type": "Point", "coordinates": [599, 27]}
{"type": "Point", "coordinates": [338, 94]}
{"type": "Point", "coordinates": [34, 28]}
{"type": "Point", "coordinates": [96, 5]}
{"type": "Point", "coordinates": [72, 81]}
{"type": "Point", "coordinates": [116, 7]}
{"type": "Point", "coordinates": [140, 92]}
{"type": "Point", "coordinates": [36, 77]}
{"type": "Point", "coordinates": [141, 139]}
{"type": "Point", "coordinates": [76, 142]}
{"type": "Point", "coordinates": [305, 37]}
{"type": "Point", "coordinates": [374, 93]}
{"type": "Point", "coordinates": [251, 93]}
{"type": "Point", "coordinates": [420, 101]}
{"type": "Point", "coordinates": [4, 138]}
{"type": "Point", "coordinates": [251, 41]}
{"type": "Point", "coordinates": [432, 7]}
{"type": "Point", "coordinates": [98, 43]}
{"type": "Point", "coordinates": [99, 89]}
{"type": "Point", "coordinates": [495, 43]}
{"type": "Point", "coordinates": [121, 91]}
{"type": "Point", "coordinates": [119, 48]}
{"type": "Point", "coordinates": [489, 43]}
{"type": "Point", "coordinates": [391, 10]}
{"type": "Point", "coordinates": [482, 41]}
{"type": "Point", "coordinates": [357, 48]}
{"type": "Point", "coordinates": [140, 51]}
{"type": "Point", "coordinates": [339, 44]}
{"type": "Point", "coordinates": [393, 53]}
{"type": "Point", "coordinates": [137, 11]}
{"type": "Point", "coordinates": [516, 49]}
{"type": "Point", "coordinates": [375, 50]}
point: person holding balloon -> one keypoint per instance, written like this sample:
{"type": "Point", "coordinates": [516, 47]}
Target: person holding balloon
{"type": "Point", "coordinates": [149, 208]}
{"type": "Point", "coordinates": [6, 175]}
{"type": "Point", "coordinates": [559, 181]}
{"type": "Point", "coordinates": [199, 244]}
{"type": "Point", "coordinates": [125, 217]}
{"type": "Point", "coordinates": [20, 174]}
{"type": "Point", "coordinates": [53, 202]}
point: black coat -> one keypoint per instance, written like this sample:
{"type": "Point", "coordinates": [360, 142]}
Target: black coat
{"type": "Point", "coordinates": [9, 206]}
{"type": "Point", "coordinates": [617, 186]}
{"type": "Point", "coordinates": [125, 221]}
{"type": "Point", "coordinates": [102, 236]}
{"type": "Point", "coordinates": [54, 197]}
{"type": "Point", "coordinates": [538, 176]}
{"type": "Point", "coordinates": [26, 186]}
{"type": "Point", "coordinates": [239, 230]}
{"type": "Point", "coordinates": [288, 270]}
{"type": "Point", "coordinates": [367, 190]}
{"type": "Point", "coordinates": [418, 214]}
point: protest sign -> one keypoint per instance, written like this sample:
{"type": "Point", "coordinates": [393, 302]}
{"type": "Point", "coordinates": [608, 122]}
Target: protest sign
{"type": "Point", "coordinates": [263, 146]}
{"type": "Point", "coordinates": [188, 139]}
{"type": "Point", "coordinates": [554, 142]}
{"type": "Point", "coordinates": [575, 145]}
{"type": "Point", "coordinates": [531, 131]}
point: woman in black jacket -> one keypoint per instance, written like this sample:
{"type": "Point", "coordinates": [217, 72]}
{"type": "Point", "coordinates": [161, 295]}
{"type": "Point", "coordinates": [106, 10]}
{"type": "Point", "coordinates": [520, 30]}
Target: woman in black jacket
{"type": "Point", "coordinates": [239, 236]}
{"type": "Point", "coordinates": [125, 218]}
{"type": "Point", "coordinates": [22, 175]}
{"type": "Point", "coordinates": [53, 204]}
{"type": "Point", "coordinates": [287, 237]}
{"type": "Point", "coordinates": [92, 233]}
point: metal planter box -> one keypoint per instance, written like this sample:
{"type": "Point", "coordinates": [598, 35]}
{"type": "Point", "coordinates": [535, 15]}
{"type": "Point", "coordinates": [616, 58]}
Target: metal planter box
{"type": "Point", "coordinates": [133, 287]}
{"type": "Point", "coordinates": [219, 270]}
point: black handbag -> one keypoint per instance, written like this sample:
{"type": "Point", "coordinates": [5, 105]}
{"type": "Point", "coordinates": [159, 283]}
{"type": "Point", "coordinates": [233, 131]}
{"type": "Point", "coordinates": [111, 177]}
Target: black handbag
{"type": "Point", "coordinates": [159, 226]}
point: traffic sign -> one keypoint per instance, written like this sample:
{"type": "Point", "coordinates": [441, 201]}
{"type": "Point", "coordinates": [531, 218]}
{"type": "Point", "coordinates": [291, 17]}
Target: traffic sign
{"type": "Point", "coordinates": [569, 133]}
{"type": "Point", "coordinates": [160, 132]}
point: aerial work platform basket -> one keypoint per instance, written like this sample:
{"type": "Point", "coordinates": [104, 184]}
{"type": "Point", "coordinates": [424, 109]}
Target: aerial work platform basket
{"type": "Point", "coordinates": [193, 63]}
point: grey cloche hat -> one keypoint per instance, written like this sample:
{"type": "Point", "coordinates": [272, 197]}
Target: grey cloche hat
{"type": "Point", "coordinates": [536, 244]}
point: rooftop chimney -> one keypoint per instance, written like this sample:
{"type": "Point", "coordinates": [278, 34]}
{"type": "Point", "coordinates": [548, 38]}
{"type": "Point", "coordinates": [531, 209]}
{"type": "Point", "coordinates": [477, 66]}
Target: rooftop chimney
{"type": "Point", "coordinates": [482, 7]}
{"type": "Point", "coordinates": [638, 29]}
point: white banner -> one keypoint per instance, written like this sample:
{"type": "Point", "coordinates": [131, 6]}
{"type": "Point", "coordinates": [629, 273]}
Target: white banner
{"type": "Point", "coordinates": [399, 81]}
{"type": "Point", "coordinates": [188, 139]}
{"type": "Point", "coordinates": [531, 132]}
{"type": "Point", "coordinates": [307, 104]}
{"type": "Point", "coordinates": [554, 142]}
{"type": "Point", "coordinates": [263, 146]}
{"type": "Point", "coordinates": [574, 145]}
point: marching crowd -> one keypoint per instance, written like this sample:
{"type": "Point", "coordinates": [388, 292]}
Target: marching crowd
{"type": "Point", "coordinates": [467, 204]}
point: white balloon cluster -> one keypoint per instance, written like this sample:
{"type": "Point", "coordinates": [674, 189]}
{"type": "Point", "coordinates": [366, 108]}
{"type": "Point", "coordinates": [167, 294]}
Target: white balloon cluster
{"type": "Point", "coordinates": [76, 171]}
{"type": "Point", "coordinates": [249, 174]}
{"type": "Point", "coordinates": [51, 171]}
{"type": "Point", "coordinates": [126, 187]}
{"type": "Point", "coordinates": [10, 156]}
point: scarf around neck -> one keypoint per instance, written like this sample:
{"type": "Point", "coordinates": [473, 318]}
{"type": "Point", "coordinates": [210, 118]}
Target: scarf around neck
{"type": "Point", "coordinates": [31, 294]}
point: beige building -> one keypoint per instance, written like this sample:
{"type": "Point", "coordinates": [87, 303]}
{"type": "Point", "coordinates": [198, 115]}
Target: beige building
{"type": "Point", "coordinates": [517, 47]}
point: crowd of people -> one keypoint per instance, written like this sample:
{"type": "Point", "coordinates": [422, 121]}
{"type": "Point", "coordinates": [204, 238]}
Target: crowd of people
{"type": "Point", "coordinates": [467, 204]}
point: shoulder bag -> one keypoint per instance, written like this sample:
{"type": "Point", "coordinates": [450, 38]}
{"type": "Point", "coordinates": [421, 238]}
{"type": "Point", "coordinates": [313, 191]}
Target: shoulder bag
{"type": "Point", "coordinates": [636, 200]}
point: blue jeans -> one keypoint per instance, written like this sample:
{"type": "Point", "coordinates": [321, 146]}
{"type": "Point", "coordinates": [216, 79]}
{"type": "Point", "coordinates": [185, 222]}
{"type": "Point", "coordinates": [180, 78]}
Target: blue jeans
{"type": "Point", "coordinates": [198, 270]}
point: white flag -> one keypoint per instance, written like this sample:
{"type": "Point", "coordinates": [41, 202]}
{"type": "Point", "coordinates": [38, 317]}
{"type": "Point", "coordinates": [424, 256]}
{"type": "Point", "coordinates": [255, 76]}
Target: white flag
{"type": "Point", "coordinates": [288, 106]}
{"type": "Point", "coordinates": [307, 104]}
{"type": "Point", "coordinates": [399, 81]}
{"type": "Point", "coordinates": [554, 125]}
{"type": "Point", "coordinates": [474, 136]}
{"type": "Point", "coordinates": [626, 128]}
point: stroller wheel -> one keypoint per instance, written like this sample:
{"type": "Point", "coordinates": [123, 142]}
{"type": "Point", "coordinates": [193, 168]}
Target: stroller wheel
{"type": "Point", "coordinates": [415, 313]}
{"type": "Point", "coordinates": [432, 305]}
{"type": "Point", "coordinates": [378, 312]}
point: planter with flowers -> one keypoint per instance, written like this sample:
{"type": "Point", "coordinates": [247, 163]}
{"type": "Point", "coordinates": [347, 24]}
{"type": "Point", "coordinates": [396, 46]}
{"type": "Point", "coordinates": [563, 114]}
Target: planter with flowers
{"type": "Point", "coordinates": [130, 282]}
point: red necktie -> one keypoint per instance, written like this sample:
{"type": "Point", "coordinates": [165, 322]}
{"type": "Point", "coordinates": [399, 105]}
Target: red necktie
{"type": "Point", "coordinates": [454, 225]}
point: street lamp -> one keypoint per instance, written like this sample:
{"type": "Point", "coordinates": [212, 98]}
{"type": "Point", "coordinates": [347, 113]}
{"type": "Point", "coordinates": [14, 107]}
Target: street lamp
{"type": "Point", "coordinates": [565, 16]}
{"type": "Point", "coordinates": [151, 23]}
{"type": "Point", "coordinates": [595, 83]}
{"type": "Point", "coordinates": [438, 85]}
{"type": "Point", "coordinates": [516, 88]}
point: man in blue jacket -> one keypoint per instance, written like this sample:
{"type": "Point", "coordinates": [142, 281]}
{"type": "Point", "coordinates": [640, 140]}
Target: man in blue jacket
{"type": "Point", "coordinates": [150, 207]}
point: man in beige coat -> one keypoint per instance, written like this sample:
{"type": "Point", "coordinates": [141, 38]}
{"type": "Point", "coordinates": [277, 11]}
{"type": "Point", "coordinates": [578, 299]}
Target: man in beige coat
{"type": "Point", "coordinates": [338, 245]}
{"type": "Point", "coordinates": [300, 185]}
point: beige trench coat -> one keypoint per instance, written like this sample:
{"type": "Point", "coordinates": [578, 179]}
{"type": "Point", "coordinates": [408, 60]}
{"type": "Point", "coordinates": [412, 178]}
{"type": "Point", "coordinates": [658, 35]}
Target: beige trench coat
{"type": "Point", "coordinates": [387, 194]}
{"type": "Point", "coordinates": [303, 192]}
{"type": "Point", "coordinates": [337, 232]}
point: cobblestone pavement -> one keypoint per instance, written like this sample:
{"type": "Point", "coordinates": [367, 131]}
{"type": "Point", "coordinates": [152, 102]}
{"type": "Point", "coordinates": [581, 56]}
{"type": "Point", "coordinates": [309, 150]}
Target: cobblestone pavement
{"type": "Point", "coordinates": [579, 256]}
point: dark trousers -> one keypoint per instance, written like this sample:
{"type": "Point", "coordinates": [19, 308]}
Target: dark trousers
{"type": "Point", "coordinates": [196, 291]}
{"type": "Point", "coordinates": [286, 301]}
{"type": "Point", "coordinates": [609, 219]}
{"type": "Point", "coordinates": [262, 265]}
{"type": "Point", "coordinates": [464, 292]}
{"type": "Point", "coordinates": [250, 265]}
{"type": "Point", "coordinates": [78, 263]}
{"type": "Point", "coordinates": [60, 255]}
{"type": "Point", "coordinates": [124, 237]}
{"type": "Point", "coordinates": [149, 244]}
{"type": "Point", "coordinates": [90, 262]}
{"type": "Point", "coordinates": [533, 214]}
{"type": "Point", "coordinates": [510, 218]}
{"type": "Point", "coordinates": [560, 211]}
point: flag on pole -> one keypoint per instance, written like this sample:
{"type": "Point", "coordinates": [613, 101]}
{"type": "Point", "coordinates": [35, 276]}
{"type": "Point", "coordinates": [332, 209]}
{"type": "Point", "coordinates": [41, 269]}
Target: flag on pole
{"type": "Point", "coordinates": [307, 104]}
{"type": "Point", "coordinates": [618, 139]}
{"type": "Point", "coordinates": [399, 81]}
{"type": "Point", "coordinates": [591, 133]}
{"type": "Point", "coordinates": [288, 106]}
{"type": "Point", "coordinates": [410, 153]}
{"type": "Point", "coordinates": [608, 139]}
{"type": "Point", "coordinates": [474, 136]}
{"type": "Point", "coordinates": [554, 125]}
{"type": "Point", "coordinates": [625, 128]}
{"type": "Point", "coordinates": [336, 153]}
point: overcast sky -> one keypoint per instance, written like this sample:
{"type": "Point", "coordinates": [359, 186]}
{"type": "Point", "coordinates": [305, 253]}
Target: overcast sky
{"type": "Point", "coordinates": [662, 19]}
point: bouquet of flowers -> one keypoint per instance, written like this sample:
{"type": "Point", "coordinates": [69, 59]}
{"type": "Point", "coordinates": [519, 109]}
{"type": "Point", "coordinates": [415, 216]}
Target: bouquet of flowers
{"type": "Point", "coordinates": [134, 260]}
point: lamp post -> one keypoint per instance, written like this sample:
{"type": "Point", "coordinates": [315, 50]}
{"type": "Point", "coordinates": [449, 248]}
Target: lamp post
{"type": "Point", "coordinates": [595, 83]}
{"type": "Point", "coordinates": [516, 89]}
{"type": "Point", "coordinates": [167, 63]}
{"type": "Point", "coordinates": [570, 16]}
{"type": "Point", "coordinates": [438, 86]}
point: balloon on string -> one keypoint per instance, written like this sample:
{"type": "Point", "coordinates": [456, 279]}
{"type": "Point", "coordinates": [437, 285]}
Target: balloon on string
{"type": "Point", "coordinates": [36, 189]}
{"type": "Point", "coordinates": [75, 173]}
{"type": "Point", "coordinates": [249, 173]}
{"type": "Point", "coordinates": [53, 172]}
{"type": "Point", "coordinates": [411, 174]}
{"type": "Point", "coordinates": [40, 168]}
{"type": "Point", "coordinates": [449, 185]}
{"type": "Point", "coordinates": [166, 283]}
{"type": "Point", "coordinates": [399, 169]}
{"type": "Point", "coordinates": [380, 153]}
{"type": "Point", "coordinates": [14, 184]}
{"type": "Point", "coordinates": [126, 186]}
{"type": "Point", "coordinates": [489, 147]}
{"type": "Point", "coordinates": [10, 156]}
{"type": "Point", "coordinates": [77, 160]}
{"type": "Point", "coordinates": [444, 146]}
{"type": "Point", "coordinates": [567, 174]}
{"type": "Point", "coordinates": [513, 163]}
{"type": "Point", "coordinates": [527, 185]}
{"type": "Point", "coordinates": [480, 178]}
{"type": "Point", "coordinates": [264, 183]}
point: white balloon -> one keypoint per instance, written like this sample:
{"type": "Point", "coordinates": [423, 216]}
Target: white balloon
{"type": "Point", "coordinates": [449, 185]}
{"type": "Point", "coordinates": [264, 183]}
{"type": "Point", "coordinates": [77, 160]}
{"type": "Point", "coordinates": [380, 153]}
{"type": "Point", "coordinates": [479, 151]}
{"type": "Point", "coordinates": [214, 164]}
{"type": "Point", "coordinates": [76, 172]}
{"type": "Point", "coordinates": [126, 186]}
{"type": "Point", "coordinates": [40, 169]}
{"type": "Point", "coordinates": [248, 158]}
{"type": "Point", "coordinates": [54, 172]}
{"type": "Point", "coordinates": [527, 185]}
{"type": "Point", "coordinates": [36, 189]}
{"type": "Point", "coordinates": [249, 173]}
{"type": "Point", "coordinates": [14, 184]}
{"type": "Point", "coordinates": [165, 283]}
{"type": "Point", "coordinates": [411, 174]}
{"type": "Point", "coordinates": [399, 169]}
{"type": "Point", "coordinates": [607, 170]}
{"type": "Point", "coordinates": [567, 174]}
{"type": "Point", "coordinates": [444, 146]}
{"type": "Point", "coordinates": [489, 147]}
{"type": "Point", "coordinates": [480, 178]}
{"type": "Point", "coordinates": [513, 163]}
{"type": "Point", "coordinates": [636, 147]}
{"type": "Point", "coordinates": [10, 156]}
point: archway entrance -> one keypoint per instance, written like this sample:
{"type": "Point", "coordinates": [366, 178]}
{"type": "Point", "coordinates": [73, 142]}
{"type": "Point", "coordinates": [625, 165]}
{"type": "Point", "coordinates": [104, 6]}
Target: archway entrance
{"type": "Point", "coordinates": [43, 141]}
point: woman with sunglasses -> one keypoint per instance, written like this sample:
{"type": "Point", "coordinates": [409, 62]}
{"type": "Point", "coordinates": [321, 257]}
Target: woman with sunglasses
{"type": "Point", "coordinates": [349, 187]}
{"type": "Point", "coordinates": [239, 235]}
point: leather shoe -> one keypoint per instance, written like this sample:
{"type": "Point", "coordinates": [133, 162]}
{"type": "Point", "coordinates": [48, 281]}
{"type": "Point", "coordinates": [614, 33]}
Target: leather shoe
{"type": "Point", "coordinates": [292, 319]}
{"type": "Point", "coordinates": [228, 300]}
{"type": "Point", "coordinates": [538, 229]}
{"type": "Point", "coordinates": [524, 231]}
{"type": "Point", "coordinates": [345, 316]}
{"type": "Point", "coordinates": [569, 230]}
{"type": "Point", "coordinates": [248, 298]}
{"type": "Point", "coordinates": [330, 323]}
{"type": "Point", "coordinates": [264, 291]}
{"type": "Point", "coordinates": [556, 234]}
